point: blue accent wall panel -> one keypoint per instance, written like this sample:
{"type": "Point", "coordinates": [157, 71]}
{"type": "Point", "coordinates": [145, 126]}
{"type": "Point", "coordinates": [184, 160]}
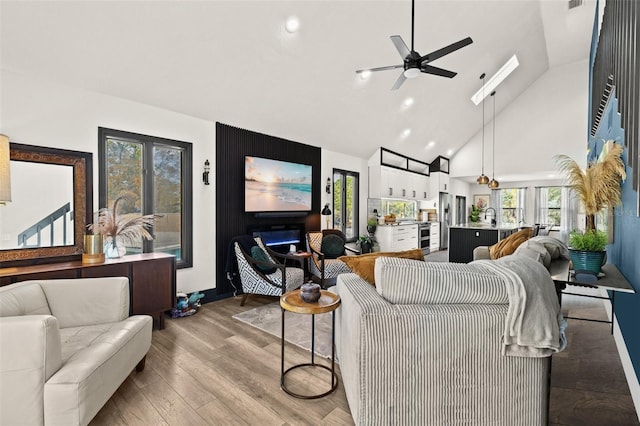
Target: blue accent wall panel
{"type": "Point", "coordinates": [625, 250]}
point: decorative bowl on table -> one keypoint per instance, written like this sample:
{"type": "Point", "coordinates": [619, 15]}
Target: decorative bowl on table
{"type": "Point", "coordinates": [310, 292]}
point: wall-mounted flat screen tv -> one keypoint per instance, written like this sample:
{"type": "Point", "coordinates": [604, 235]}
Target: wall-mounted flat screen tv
{"type": "Point", "coordinates": [276, 186]}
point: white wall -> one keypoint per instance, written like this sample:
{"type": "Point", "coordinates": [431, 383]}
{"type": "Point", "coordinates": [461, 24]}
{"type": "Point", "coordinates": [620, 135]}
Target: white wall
{"type": "Point", "coordinates": [460, 188]}
{"type": "Point", "coordinates": [36, 112]}
{"type": "Point", "coordinates": [335, 160]}
{"type": "Point", "coordinates": [549, 118]}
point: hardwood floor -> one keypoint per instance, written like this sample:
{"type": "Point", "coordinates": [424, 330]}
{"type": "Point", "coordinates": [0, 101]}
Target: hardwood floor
{"type": "Point", "coordinates": [209, 369]}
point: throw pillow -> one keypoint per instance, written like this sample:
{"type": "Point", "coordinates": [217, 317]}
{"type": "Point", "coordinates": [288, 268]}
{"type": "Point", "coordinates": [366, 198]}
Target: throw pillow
{"type": "Point", "coordinates": [508, 245]}
{"type": "Point", "coordinates": [258, 254]}
{"type": "Point", "coordinates": [332, 246]}
{"type": "Point", "coordinates": [364, 264]}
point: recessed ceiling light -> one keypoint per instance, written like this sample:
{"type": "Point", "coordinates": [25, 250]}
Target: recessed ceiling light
{"type": "Point", "coordinates": [495, 80]}
{"type": "Point", "coordinates": [407, 102]}
{"type": "Point", "coordinates": [292, 25]}
{"type": "Point", "coordinates": [449, 152]}
{"type": "Point", "coordinates": [406, 132]}
{"type": "Point", "coordinates": [365, 75]}
{"type": "Point", "coordinates": [551, 175]}
{"type": "Point", "coordinates": [431, 144]}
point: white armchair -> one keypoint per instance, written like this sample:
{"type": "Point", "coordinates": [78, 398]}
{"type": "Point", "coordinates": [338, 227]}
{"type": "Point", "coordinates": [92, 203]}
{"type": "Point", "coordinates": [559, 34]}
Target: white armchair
{"type": "Point", "coordinates": [65, 348]}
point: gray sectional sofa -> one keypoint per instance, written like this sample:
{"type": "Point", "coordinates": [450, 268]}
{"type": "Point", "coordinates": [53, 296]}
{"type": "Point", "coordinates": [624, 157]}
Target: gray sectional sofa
{"type": "Point", "coordinates": [427, 344]}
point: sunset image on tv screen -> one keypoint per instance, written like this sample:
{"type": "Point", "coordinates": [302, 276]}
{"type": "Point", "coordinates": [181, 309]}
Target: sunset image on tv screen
{"type": "Point", "coordinates": [272, 185]}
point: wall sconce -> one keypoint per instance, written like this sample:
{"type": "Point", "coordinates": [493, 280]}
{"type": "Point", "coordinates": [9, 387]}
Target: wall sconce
{"type": "Point", "coordinates": [326, 212]}
{"type": "Point", "coordinates": [328, 188]}
{"type": "Point", "coordinates": [5, 172]}
{"type": "Point", "coordinates": [205, 174]}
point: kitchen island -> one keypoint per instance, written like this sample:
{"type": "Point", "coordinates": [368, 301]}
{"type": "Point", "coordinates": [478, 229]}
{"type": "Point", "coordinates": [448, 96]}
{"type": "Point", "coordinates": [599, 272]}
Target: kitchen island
{"type": "Point", "coordinates": [464, 238]}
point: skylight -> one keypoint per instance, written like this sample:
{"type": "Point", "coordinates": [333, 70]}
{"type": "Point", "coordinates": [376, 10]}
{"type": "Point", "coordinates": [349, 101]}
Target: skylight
{"type": "Point", "coordinates": [495, 80]}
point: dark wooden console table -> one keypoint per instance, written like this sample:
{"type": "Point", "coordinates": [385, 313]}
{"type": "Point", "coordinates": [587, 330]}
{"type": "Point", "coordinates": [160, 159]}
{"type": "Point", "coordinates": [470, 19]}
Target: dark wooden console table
{"type": "Point", "coordinates": [152, 279]}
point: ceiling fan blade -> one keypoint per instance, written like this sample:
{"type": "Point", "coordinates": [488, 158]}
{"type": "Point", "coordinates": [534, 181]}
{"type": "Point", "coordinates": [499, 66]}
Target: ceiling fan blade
{"type": "Point", "coordinates": [391, 67]}
{"type": "Point", "coordinates": [445, 50]}
{"type": "Point", "coordinates": [403, 50]}
{"type": "Point", "coordinates": [399, 81]}
{"type": "Point", "coordinates": [438, 71]}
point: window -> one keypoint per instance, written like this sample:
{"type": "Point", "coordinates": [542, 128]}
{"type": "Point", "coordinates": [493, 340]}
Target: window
{"type": "Point", "coordinates": [155, 176]}
{"type": "Point", "coordinates": [512, 201]}
{"type": "Point", "coordinates": [345, 203]}
{"type": "Point", "coordinates": [401, 208]}
{"type": "Point", "coordinates": [548, 205]}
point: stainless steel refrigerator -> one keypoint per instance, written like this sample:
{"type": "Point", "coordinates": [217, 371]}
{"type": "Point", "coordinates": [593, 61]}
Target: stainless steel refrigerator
{"type": "Point", "coordinates": [445, 213]}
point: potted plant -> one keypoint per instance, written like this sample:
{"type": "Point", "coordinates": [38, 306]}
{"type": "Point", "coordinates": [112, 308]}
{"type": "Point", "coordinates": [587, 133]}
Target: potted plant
{"type": "Point", "coordinates": [597, 187]}
{"type": "Point", "coordinates": [372, 224]}
{"type": "Point", "coordinates": [366, 243]}
{"type": "Point", "coordinates": [123, 229]}
{"type": "Point", "coordinates": [475, 213]}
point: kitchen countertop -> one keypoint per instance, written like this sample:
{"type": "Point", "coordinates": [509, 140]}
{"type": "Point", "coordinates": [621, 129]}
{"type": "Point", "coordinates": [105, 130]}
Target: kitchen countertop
{"type": "Point", "coordinates": [487, 226]}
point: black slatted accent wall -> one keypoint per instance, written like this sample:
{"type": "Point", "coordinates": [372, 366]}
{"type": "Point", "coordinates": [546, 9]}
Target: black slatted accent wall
{"type": "Point", "coordinates": [617, 62]}
{"type": "Point", "coordinates": [232, 144]}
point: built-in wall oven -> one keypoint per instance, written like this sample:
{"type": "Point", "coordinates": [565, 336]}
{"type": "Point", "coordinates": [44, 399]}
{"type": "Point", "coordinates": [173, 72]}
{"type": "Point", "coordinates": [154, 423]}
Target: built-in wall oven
{"type": "Point", "coordinates": [423, 237]}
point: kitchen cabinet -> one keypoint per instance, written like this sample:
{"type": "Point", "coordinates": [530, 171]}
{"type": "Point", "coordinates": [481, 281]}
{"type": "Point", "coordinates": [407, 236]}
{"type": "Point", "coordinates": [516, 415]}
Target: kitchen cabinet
{"type": "Point", "coordinates": [463, 239]}
{"type": "Point", "coordinates": [419, 189]}
{"type": "Point", "coordinates": [438, 182]}
{"type": "Point", "coordinates": [434, 235]}
{"type": "Point", "coordinates": [397, 237]}
{"type": "Point", "coordinates": [152, 279]}
{"type": "Point", "coordinates": [393, 175]}
{"type": "Point", "coordinates": [385, 182]}
{"type": "Point", "coordinates": [440, 164]}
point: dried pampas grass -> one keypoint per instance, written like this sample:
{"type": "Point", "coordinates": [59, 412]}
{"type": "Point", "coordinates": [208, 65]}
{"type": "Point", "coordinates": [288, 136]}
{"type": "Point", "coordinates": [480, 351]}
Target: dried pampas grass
{"type": "Point", "coordinates": [599, 185]}
{"type": "Point", "coordinates": [129, 228]}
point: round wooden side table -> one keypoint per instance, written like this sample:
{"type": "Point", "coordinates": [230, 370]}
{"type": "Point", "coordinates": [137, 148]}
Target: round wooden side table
{"type": "Point", "coordinates": [292, 302]}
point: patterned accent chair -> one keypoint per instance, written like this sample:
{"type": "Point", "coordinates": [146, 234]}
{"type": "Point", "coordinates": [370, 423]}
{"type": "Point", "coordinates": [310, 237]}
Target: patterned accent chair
{"type": "Point", "coordinates": [325, 266]}
{"type": "Point", "coordinates": [263, 274]}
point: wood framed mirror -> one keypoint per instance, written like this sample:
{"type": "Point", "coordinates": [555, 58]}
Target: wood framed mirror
{"type": "Point", "coordinates": [52, 204]}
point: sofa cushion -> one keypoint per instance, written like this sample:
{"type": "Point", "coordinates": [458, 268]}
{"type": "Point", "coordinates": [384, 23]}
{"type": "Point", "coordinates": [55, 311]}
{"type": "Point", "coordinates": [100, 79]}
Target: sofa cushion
{"type": "Point", "coordinates": [508, 245]}
{"type": "Point", "coordinates": [406, 281]}
{"type": "Point", "coordinates": [258, 254]}
{"type": "Point", "coordinates": [332, 246]}
{"type": "Point", "coordinates": [364, 264]}
{"type": "Point", "coordinates": [26, 298]}
{"type": "Point", "coordinates": [96, 359]}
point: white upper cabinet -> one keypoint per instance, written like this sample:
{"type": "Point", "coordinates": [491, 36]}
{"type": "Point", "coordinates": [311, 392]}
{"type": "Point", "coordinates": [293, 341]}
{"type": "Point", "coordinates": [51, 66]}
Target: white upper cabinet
{"type": "Point", "coordinates": [438, 182]}
{"type": "Point", "coordinates": [393, 175]}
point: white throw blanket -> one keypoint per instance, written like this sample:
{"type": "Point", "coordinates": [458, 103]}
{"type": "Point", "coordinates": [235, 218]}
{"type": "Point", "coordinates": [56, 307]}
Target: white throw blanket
{"type": "Point", "coordinates": [534, 326]}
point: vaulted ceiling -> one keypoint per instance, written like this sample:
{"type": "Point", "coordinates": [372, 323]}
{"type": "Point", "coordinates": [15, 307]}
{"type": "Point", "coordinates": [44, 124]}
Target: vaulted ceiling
{"type": "Point", "coordinates": [233, 61]}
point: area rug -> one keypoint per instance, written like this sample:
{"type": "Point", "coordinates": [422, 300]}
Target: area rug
{"type": "Point", "coordinates": [297, 328]}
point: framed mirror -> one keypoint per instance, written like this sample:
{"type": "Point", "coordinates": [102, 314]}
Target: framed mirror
{"type": "Point", "coordinates": [51, 205]}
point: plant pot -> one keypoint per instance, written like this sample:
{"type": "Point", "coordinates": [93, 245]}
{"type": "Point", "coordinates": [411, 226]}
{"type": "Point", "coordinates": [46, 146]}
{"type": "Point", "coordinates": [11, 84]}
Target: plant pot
{"type": "Point", "coordinates": [588, 261]}
{"type": "Point", "coordinates": [365, 247]}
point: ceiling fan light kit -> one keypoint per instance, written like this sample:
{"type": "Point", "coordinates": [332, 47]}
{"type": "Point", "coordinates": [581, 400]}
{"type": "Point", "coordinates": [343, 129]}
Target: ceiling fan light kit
{"type": "Point", "coordinates": [413, 63]}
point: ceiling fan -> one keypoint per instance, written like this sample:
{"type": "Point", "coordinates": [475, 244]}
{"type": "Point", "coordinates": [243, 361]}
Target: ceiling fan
{"type": "Point", "coordinates": [414, 64]}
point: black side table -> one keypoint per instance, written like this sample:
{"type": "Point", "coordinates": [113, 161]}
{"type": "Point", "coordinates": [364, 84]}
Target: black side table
{"type": "Point", "coordinates": [292, 302]}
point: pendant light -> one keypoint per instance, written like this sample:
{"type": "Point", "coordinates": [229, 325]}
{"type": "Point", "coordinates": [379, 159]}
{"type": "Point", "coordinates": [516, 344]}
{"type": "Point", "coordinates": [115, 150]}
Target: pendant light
{"type": "Point", "coordinates": [482, 179]}
{"type": "Point", "coordinates": [494, 183]}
